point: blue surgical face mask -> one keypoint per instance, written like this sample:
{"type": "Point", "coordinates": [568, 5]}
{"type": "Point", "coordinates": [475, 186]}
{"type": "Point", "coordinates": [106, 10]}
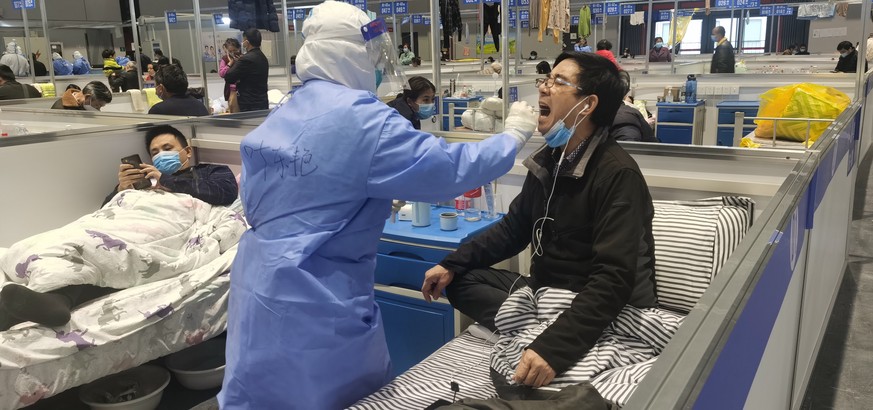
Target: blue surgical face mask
{"type": "Point", "coordinates": [712, 36]}
{"type": "Point", "coordinates": [659, 45]}
{"type": "Point", "coordinates": [167, 161]}
{"type": "Point", "coordinates": [559, 135]}
{"type": "Point", "coordinates": [426, 111]}
{"type": "Point", "coordinates": [378, 78]}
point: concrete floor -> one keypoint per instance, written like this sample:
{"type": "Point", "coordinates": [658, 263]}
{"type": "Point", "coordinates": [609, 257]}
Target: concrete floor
{"type": "Point", "coordinates": [843, 373]}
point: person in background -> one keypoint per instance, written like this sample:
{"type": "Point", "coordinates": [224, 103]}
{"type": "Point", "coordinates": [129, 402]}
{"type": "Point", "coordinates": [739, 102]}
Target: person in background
{"type": "Point", "coordinates": [160, 55]}
{"type": "Point", "coordinates": [144, 61]}
{"type": "Point", "coordinates": [61, 66]}
{"type": "Point", "coordinates": [81, 65]}
{"type": "Point", "coordinates": [16, 62]}
{"type": "Point", "coordinates": [626, 53]}
{"type": "Point", "coordinates": [869, 51]}
{"type": "Point", "coordinates": [416, 62]}
{"type": "Point", "coordinates": [39, 69]}
{"type": "Point", "coordinates": [294, 64]}
{"type": "Point", "coordinates": [582, 46]}
{"type": "Point", "coordinates": [13, 90]}
{"type": "Point", "coordinates": [604, 49]}
{"type": "Point", "coordinates": [629, 125]}
{"type": "Point", "coordinates": [301, 296]}
{"type": "Point", "coordinates": [122, 60]}
{"type": "Point", "coordinates": [848, 62]}
{"type": "Point", "coordinates": [533, 56]}
{"type": "Point", "coordinates": [416, 103]}
{"type": "Point", "coordinates": [723, 58]}
{"type": "Point", "coordinates": [789, 51]}
{"type": "Point", "coordinates": [490, 60]}
{"type": "Point", "coordinates": [249, 72]}
{"type": "Point", "coordinates": [802, 50]}
{"type": "Point", "coordinates": [596, 239]}
{"type": "Point", "coordinates": [406, 55]}
{"type": "Point", "coordinates": [110, 66]}
{"type": "Point", "coordinates": [171, 86]}
{"type": "Point", "coordinates": [93, 97]}
{"type": "Point", "coordinates": [659, 53]}
{"type": "Point", "coordinates": [231, 48]}
{"type": "Point", "coordinates": [68, 100]}
{"type": "Point", "coordinates": [544, 68]}
{"type": "Point", "coordinates": [150, 72]}
{"type": "Point", "coordinates": [129, 80]}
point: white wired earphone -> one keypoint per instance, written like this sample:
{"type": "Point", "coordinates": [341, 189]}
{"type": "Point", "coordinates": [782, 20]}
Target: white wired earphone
{"type": "Point", "coordinates": [538, 250]}
{"type": "Point", "coordinates": [539, 224]}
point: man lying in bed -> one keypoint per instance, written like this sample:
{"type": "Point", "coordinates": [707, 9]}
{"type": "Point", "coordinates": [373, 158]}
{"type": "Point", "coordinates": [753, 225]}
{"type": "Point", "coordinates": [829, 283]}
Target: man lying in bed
{"type": "Point", "coordinates": [172, 171]}
{"type": "Point", "coordinates": [585, 209]}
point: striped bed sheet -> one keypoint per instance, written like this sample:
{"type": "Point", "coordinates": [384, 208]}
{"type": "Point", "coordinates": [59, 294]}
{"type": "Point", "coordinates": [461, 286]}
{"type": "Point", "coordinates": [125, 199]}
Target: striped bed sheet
{"type": "Point", "coordinates": [464, 360]}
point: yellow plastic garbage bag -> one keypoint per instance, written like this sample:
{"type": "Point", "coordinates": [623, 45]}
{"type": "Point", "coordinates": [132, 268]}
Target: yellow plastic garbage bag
{"type": "Point", "coordinates": [804, 100]}
{"type": "Point", "coordinates": [747, 142]}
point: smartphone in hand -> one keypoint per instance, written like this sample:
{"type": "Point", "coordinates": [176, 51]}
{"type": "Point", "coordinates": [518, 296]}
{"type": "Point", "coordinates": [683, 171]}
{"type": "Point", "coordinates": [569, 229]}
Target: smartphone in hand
{"type": "Point", "coordinates": [136, 161]}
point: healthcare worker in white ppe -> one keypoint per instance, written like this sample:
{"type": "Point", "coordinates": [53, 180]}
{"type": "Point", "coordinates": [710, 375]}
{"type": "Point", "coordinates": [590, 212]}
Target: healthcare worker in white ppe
{"type": "Point", "coordinates": [304, 330]}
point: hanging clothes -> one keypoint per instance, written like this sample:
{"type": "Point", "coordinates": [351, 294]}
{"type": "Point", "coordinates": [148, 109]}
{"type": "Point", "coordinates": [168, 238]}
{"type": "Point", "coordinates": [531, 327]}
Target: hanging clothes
{"type": "Point", "coordinates": [450, 18]}
{"type": "Point", "coordinates": [246, 14]}
{"type": "Point", "coordinates": [638, 18]}
{"type": "Point", "coordinates": [534, 14]}
{"type": "Point", "coordinates": [584, 29]}
{"type": "Point", "coordinates": [559, 18]}
{"type": "Point", "coordinates": [491, 19]}
{"type": "Point", "coordinates": [815, 10]}
{"type": "Point", "coordinates": [545, 11]}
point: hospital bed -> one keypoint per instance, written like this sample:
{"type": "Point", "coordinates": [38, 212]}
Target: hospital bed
{"type": "Point", "coordinates": [465, 359]}
{"type": "Point", "coordinates": [114, 333]}
{"type": "Point", "coordinates": [118, 331]}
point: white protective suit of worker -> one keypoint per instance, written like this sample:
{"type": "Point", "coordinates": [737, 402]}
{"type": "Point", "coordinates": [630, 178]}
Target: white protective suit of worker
{"type": "Point", "coordinates": [16, 62]}
{"type": "Point", "coordinates": [304, 330]}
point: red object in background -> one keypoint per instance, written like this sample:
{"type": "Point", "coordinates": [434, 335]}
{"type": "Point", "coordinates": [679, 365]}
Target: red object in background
{"type": "Point", "coordinates": [462, 203]}
{"type": "Point", "coordinates": [474, 193]}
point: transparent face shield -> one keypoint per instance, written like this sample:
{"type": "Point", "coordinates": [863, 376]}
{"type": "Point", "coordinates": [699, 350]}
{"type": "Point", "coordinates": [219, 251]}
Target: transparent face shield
{"type": "Point", "coordinates": [389, 73]}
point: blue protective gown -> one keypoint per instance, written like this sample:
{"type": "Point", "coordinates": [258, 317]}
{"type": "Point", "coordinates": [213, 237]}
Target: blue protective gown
{"type": "Point", "coordinates": [304, 330]}
{"type": "Point", "coordinates": [62, 67]}
{"type": "Point", "coordinates": [81, 67]}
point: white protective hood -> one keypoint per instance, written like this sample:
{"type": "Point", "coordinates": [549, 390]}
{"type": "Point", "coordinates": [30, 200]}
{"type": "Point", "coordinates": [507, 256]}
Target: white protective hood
{"type": "Point", "coordinates": [334, 49]}
{"type": "Point", "coordinates": [10, 47]}
{"type": "Point", "coordinates": [56, 56]}
{"type": "Point", "coordinates": [77, 55]}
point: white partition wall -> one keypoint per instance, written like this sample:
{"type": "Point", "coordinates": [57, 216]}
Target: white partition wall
{"type": "Point", "coordinates": [52, 179]}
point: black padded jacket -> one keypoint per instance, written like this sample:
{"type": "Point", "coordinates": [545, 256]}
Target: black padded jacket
{"type": "Point", "coordinates": [723, 59]}
{"type": "Point", "coordinates": [599, 243]}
